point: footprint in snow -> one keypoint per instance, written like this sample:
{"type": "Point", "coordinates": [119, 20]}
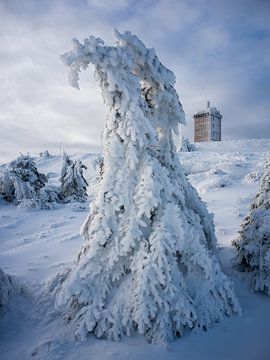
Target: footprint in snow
{"type": "Point", "coordinates": [41, 235]}
{"type": "Point", "coordinates": [32, 269]}
{"type": "Point", "coordinates": [31, 263]}
{"type": "Point", "coordinates": [27, 240]}
{"type": "Point", "coordinates": [71, 237]}
{"type": "Point", "coordinates": [43, 256]}
{"type": "Point", "coordinates": [57, 225]}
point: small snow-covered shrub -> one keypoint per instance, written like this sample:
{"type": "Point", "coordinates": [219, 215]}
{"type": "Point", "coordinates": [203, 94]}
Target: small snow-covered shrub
{"type": "Point", "coordinates": [49, 197]}
{"type": "Point", "coordinates": [148, 262]}
{"type": "Point", "coordinates": [253, 244]}
{"type": "Point", "coordinates": [252, 177]}
{"type": "Point", "coordinates": [186, 145]}
{"type": "Point", "coordinates": [45, 155]}
{"type": "Point", "coordinates": [28, 205]}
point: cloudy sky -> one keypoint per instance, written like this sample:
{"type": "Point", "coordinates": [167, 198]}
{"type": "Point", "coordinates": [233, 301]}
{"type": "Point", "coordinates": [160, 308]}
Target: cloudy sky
{"type": "Point", "coordinates": [218, 49]}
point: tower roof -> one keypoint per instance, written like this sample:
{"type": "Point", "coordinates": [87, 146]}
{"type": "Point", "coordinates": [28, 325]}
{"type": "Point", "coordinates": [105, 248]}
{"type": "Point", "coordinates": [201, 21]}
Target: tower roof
{"type": "Point", "coordinates": [210, 110]}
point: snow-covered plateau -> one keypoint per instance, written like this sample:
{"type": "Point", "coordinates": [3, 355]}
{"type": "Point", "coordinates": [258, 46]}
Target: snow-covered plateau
{"type": "Point", "coordinates": [36, 245]}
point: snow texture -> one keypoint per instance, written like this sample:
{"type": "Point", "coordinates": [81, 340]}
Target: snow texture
{"type": "Point", "coordinates": [148, 263]}
{"type": "Point", "coordinates": [253, 244]}
{"type": "Point", "coordinates": [35, 246]}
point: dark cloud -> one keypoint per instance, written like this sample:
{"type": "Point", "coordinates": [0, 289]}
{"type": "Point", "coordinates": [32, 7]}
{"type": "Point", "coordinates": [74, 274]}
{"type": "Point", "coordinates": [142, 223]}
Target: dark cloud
{"type": "Point", "coordinates": [219, 50]}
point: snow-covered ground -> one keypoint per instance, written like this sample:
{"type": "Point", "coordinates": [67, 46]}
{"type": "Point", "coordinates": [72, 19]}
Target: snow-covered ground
{"type": "Point", "coordinates": [34, 246]}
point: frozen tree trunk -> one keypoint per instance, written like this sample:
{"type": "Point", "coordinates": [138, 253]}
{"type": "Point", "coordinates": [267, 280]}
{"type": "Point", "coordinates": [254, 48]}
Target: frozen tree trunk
{"type": "Point", "coordinates": [148, 262]}
{"type": "Point", "coordinates": [253, 244]}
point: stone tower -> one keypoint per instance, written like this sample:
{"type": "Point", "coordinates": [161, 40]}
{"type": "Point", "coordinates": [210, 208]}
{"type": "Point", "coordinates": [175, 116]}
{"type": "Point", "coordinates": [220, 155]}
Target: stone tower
{"type": "Point", "coordinates": [207, 124]}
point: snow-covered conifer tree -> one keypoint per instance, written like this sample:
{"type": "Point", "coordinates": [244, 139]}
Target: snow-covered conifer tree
{"type": "Point", "coordinates": [7, 189]}
{"type": "Point", "coordinates": [148, 261]}
{"type": "Point", "coordinates": [66, 162]}
{"type": "Point", "coordinates": [253, 244]}
{"type": "Point", "coordinates": [186, 145]}
{"type": "Point", "coordinates": [22, 181]}
{"type": "Point", "coordinates": [73, 183]}
{"type": "Point", "coordinates": [45, 154]}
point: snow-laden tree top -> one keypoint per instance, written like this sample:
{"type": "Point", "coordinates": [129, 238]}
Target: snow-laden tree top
{"type": "Point", "coordinates": [136, 73]}
{"type": "Point", "coordinates": [148, 261]}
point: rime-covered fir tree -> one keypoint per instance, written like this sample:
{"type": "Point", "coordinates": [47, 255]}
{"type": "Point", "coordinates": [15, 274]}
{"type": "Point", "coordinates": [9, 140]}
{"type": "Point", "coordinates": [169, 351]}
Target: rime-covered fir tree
{"type": "Point", "coordinates": [186, 146]}
{"type": "Point", "coordinates": [253, 244]}
{"type": "Point", "coordinates": [73, 184]}
{"type": "Point", "coordinates": [148, 262]}
{"type": "Point", "coordinates": [22, 184]}
{"type": "Point", "coordinates": [21, 181]}
{"type": "Point", "coordinates": [66, 162]}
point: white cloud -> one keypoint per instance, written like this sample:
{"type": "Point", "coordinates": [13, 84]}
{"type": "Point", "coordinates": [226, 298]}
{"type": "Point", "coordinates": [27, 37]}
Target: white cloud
{"type": "Point", "coordinates": [217, 50]}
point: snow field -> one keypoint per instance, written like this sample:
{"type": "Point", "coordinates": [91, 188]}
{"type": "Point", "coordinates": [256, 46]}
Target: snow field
{"type": "Point", "coordinates": [35, 245]}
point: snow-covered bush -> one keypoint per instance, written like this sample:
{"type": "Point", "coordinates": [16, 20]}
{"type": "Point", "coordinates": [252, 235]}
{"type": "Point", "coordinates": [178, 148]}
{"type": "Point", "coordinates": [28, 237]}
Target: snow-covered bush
{"type": "Point", "coordinates": [252, 177]}
{"type": "Point", "coordinates": [186, 145]}
{"type": "Point", "coordinates": [49, 197]}
{"type": "Point", "coordinates": [29, 205]}
{"type": "Point", "coordinates": [148, 262]}
{"type": "Point", "coordinates": [22, 184]}
{"type": "Point", "coordinates": [73, 184]}
{"type": "Point", "coordinates": [45, 154]}
{"type": "Point", "coordinates": [253, 244]}
{"type": "Point", "coordinates": [21, 180]}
